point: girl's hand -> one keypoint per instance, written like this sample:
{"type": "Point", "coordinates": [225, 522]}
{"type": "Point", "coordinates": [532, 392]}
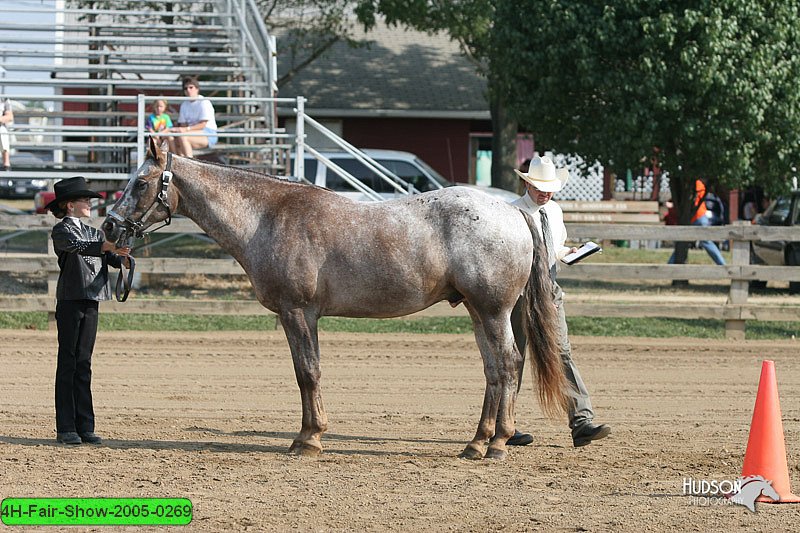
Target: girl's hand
{"type": "Point", "coordinates": [111, 247]}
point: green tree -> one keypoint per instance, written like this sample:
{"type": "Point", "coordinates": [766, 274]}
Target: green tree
{"type": "Point", "coordinates": [470, 23]}
{"type": "Point", "coordinates": [707, 87]}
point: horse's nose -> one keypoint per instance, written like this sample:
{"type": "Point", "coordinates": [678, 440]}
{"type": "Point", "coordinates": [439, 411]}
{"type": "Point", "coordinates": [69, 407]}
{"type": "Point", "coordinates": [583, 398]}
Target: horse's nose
{"type": "Point", "coordinates": [108, 227]}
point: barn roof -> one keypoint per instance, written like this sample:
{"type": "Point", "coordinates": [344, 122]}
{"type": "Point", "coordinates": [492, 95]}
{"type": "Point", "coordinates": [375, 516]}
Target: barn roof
{"type": "Point", "coordinates": [399, 73]}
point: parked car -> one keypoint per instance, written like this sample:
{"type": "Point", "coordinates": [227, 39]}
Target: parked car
{"type": "Point", "coordinates": [404, 165]}
{"type": "Point", "coordinates": [42, 198]}
{"type": "Point", "coordinates": [21, 188]}
{"type": "Point", "coordinates": [785, 211]}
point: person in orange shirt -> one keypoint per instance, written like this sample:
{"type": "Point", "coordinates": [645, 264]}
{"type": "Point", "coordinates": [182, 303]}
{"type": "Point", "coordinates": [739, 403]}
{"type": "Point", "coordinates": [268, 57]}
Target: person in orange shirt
{"type": "Point", "coordinates": [701, 218]}
{"type": "Point", "coordinates": [699, 201]}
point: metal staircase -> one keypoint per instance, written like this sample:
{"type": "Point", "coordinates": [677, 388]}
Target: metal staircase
{"type": "Point", "coordinates": [101, 58]}
{"type": "Point", "coordinates": [110, 60]}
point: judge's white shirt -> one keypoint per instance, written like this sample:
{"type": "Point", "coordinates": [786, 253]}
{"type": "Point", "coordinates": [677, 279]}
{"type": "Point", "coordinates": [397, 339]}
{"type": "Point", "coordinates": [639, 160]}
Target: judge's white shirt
{"type": "Point", "coordinates": [555, 219]}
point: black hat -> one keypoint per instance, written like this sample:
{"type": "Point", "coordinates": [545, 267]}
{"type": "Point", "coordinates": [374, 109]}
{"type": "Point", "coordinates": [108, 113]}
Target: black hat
{"type": "Point", "coordinates": [71, 189]}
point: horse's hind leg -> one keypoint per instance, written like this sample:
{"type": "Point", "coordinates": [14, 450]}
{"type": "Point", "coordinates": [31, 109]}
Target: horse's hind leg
{"type": "Point", "coordinates": [496, 344]}
{"type": "Point", "coordinates": [300, 327]}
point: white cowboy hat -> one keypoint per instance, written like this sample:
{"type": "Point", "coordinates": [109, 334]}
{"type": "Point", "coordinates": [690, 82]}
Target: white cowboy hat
{"type": "Point", "coordinates": [543, 175]}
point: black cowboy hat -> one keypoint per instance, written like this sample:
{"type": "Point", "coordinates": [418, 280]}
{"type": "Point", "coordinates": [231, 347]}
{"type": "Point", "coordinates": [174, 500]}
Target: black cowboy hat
{"type": "Point", "coordinates": [71, 189]}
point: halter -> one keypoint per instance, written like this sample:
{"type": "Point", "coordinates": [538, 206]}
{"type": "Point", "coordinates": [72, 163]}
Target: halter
{"type": "Point", "coordinates": [134, 229]}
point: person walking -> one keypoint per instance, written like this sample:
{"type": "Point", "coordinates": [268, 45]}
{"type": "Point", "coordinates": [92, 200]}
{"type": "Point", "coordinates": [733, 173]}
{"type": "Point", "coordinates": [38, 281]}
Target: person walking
{"type": "Point", "coordinates": [703, 217]}
{"type": "Point", "coordinates": [541, 181]}
{"type": "Point", "coordinates": [83, 259]}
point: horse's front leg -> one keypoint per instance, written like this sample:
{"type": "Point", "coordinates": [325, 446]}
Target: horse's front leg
{"type": "Point", "coordinates": [495, 341]}
{"type": "Point", "coordinates": [300, 326]}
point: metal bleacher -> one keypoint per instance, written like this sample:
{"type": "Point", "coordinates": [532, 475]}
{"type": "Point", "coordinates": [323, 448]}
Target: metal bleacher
{"type": "Point", "coordinates": [108, 64]}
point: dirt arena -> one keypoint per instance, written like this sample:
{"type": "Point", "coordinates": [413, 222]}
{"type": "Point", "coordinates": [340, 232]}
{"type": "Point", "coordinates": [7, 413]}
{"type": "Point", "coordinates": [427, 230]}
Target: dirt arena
{"type": "Point", "coordinates": [210, 416]}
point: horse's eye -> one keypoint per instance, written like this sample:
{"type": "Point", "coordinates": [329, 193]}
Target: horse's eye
{"type": "Point", "coordinates": [141, 185]}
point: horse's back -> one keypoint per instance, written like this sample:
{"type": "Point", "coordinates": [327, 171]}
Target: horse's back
{"type": "Point", "coordinates": [459, 242]}
{"type": "Point", "coordinates": [400, 256]}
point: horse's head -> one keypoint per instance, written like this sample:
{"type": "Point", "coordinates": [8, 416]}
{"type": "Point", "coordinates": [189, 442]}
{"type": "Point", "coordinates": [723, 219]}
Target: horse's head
{"type": "Point", "coordinates": [147, 199]}
{"type": "Point", "coordinates": [750, 488]}
{"type": "Point", "coordinates": [769, 491]}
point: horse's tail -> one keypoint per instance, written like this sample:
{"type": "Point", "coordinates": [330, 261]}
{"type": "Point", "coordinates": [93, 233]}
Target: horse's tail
{"type": "Point", "coordinates": [540, 323]}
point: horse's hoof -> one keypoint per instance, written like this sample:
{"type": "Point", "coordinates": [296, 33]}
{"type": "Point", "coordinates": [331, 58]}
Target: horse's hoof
{"type": "Point", "coordinates": [472, 452]}
{"type": "Point", "coordinates": [496, 453]}
{"type": "Point", "coordinates": [304, 448]}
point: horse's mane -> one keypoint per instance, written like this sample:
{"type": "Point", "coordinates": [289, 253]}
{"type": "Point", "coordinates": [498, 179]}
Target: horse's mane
{"type": "Point", "coordinates": [748, 479]}
{"type": "Point", "coordinates": [255, 173]}
{"type": "Point", "coordinates": [248, 173]}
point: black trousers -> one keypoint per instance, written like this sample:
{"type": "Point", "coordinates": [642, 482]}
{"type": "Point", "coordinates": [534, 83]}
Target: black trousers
{"type": "Point", "coordinates": [77, 330]}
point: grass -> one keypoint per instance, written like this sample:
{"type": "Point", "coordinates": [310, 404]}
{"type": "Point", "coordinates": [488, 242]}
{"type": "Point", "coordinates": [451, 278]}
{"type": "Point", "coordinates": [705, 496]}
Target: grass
{"type": "Point", "coordinates": [593, 326]}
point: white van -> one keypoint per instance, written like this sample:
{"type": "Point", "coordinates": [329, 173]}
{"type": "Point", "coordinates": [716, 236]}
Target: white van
{"type": "Point", "coordinates": [404, 165]}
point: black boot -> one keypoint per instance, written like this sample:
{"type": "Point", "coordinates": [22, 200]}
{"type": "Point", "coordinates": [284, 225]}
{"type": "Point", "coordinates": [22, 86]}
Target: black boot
{"type": "Point", "coordinates": [586, 433]}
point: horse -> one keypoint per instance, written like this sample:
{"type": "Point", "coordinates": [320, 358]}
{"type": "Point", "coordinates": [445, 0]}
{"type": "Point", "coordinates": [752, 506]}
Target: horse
{"type": "Point", "coordinates": [750, 489]}
{"type": "Point", "coordinates": [310, 252]}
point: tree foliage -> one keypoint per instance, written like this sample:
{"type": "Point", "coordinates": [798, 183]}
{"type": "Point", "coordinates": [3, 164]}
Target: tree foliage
{"type": "Point", "coordinates": [707, 87]}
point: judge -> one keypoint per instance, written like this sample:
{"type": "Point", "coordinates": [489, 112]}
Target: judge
{"type": "Point", "coordinates": [542, 180]}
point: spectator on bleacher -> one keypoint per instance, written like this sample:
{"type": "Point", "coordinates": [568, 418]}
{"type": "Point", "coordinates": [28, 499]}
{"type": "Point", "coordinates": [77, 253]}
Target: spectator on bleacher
{"type": "Point", "coordinates": [6, 119]}
{"type": "Point", "coordinates": [159, 120]}
{"type": "Point", "coordinates": [196, 117]}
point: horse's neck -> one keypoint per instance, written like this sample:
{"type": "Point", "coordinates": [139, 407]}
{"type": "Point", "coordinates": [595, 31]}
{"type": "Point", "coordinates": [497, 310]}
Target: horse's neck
{"type": "Point", "coordinates": [751, 488]}
{"type": "Point", "coordinates": [217, 203]}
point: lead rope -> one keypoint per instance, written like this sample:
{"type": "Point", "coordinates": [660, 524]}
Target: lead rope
{"type": "Point", "coordinates": [122, 279]}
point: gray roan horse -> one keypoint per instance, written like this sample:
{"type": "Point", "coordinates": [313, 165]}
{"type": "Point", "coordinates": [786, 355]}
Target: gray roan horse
{"type": "Point", "coordinates": [310, 252]}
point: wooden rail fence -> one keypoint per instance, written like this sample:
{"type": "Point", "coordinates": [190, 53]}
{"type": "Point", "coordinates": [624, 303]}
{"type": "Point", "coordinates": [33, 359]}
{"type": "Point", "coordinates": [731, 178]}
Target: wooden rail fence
{"type": "Point", "coordinates": [736, 310]}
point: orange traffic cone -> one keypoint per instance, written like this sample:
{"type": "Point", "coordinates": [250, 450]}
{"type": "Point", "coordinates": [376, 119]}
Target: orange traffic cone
{"type": "Point", "coordinates": [766, 449]}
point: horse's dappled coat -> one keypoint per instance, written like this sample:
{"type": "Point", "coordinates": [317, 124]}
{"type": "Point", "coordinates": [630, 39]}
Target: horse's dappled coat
{"type": "Point", "coordinates": [310, 252]}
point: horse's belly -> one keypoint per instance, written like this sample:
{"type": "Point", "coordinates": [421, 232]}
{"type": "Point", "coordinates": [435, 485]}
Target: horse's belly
{"type": "Point", "coordinates": [384, 301]}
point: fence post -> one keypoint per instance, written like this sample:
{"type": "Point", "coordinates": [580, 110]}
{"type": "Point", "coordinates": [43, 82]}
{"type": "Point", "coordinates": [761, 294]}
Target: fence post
{"type": "Point", "coordinates": [300, 139]}
{"type": "Point", "coordinates": [740, 252]}
{"type": "Point", "coordinates": [140, 114]}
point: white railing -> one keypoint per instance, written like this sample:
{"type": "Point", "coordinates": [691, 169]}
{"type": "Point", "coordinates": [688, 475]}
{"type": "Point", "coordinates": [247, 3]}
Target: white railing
{"type": "Point", "coordinates": [302, 120]}
{"type": "Point", "coordinates": [125, 141]}
{"type": "Point", "coordinates": [254, 42]}
{"type": "Point", "coordinates": [121, 132]}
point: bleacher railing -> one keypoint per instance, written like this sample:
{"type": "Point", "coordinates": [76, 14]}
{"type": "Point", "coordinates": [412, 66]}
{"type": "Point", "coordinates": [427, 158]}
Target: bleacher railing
{"type": "Point", "coordinates": [54, 130]}
{"type": "Point", "coordinates": [244, 139]}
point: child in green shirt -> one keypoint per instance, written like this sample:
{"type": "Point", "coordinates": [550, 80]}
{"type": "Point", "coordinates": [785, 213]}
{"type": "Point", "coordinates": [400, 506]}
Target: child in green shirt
{"type": "Point", "coordinates": [158, 120]}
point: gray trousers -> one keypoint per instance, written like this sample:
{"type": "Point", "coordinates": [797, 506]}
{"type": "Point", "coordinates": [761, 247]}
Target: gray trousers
{"type": "Point", "coordinates": [580, 409]}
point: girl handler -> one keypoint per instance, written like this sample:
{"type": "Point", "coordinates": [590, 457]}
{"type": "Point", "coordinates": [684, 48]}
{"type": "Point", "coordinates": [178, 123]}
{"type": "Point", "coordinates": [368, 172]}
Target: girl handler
{"type": "Point", "coordinates": [83, 258]}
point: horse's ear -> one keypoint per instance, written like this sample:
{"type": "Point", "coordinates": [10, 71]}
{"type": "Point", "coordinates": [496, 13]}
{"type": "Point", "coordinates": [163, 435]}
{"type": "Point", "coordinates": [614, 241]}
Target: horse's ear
{"type": "Point", "coordinates": [152, 149]}
{"type": "Point", "coordinates": [156, 152]}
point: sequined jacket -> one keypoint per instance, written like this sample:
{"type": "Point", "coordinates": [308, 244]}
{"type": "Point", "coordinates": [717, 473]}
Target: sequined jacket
{"type": "Point", "coordinates": [83, 264]}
